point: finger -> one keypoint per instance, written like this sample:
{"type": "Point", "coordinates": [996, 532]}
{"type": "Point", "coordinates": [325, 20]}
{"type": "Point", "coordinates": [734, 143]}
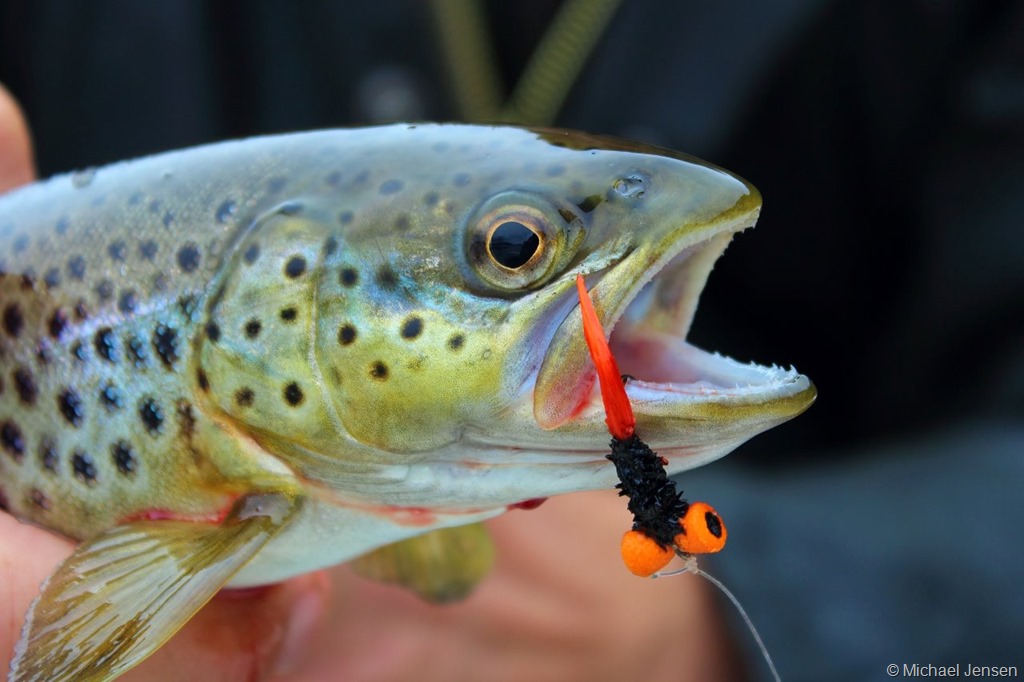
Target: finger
{"type": "Point", "coordinates": [27, 556]}
{"type": "Point", "coordinates": [16, 166]}
{"type": "Point", "coordinates": [260, 633]}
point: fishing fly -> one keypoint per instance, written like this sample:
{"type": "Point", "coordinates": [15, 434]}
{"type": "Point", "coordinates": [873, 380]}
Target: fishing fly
{"type": "Point", "coordinates": [665, 525]}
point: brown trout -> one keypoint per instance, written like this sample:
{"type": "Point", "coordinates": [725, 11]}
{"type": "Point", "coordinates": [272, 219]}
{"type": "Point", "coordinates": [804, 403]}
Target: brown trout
{"type": "Point", "coordinates": [238, 363]}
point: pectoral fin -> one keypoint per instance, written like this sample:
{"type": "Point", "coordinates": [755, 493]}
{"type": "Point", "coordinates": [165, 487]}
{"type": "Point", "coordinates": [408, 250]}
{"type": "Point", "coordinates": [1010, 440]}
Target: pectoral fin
{"type": "Point", "coordinates": [124, 593]}
{"type": "Point", "coordinates": [441, 566]}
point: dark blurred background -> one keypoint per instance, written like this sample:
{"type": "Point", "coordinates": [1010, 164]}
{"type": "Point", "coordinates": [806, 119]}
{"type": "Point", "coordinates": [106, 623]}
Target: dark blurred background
{"type": "Point", "coordinates": [887, 137]}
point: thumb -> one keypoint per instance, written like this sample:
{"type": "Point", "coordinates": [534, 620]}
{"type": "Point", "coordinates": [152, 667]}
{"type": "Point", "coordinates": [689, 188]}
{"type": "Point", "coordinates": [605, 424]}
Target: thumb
{"type": "Point", "coordinates": [251, 634]}
{"type": "Point", "coordinates": [16, 167]}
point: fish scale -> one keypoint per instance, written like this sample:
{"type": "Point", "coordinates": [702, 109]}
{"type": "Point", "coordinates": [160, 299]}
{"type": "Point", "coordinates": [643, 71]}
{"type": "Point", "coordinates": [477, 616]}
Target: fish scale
{"type": "Point", "coordinates": [269, 356]}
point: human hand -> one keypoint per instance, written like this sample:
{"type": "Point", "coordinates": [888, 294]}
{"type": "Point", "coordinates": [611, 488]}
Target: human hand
{"type": "Point", "coordinates": [558, 606]}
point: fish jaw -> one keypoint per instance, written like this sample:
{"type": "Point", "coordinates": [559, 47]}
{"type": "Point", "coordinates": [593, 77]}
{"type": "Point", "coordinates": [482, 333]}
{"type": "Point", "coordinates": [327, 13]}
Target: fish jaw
{"type": "Point", "coordinates": [689, 403]}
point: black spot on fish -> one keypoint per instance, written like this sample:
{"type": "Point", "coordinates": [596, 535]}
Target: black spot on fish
{"type": "Point", "coordinates": [456, 342]}
{"type": "Point", "coordinates": [12, 440]}
{"type": "Point", "coordinates": [361, 178]}
{"type": "Point", "coordinates": [62, 226]}
{"type": "Point", "coordinates": [148, 249]}
{"type": "Point", "coordinates": [412, 327]}
{"type": "Point", "coordinates": [168, 219]}
{"type": "Point", "coordinates": [293, 394]}
{"type": "Point", "coordinates": [213, 331]}
{"type": "Point", "coordinates": [251, 253]}
{"type": "Point", "coordinates": [52, 278]}
{"type": "Point", "coordinates": [43, 353]}
{"type": "Point", "coordinates": [48, 455]}
{"type": "Point", "coordinates": [289, 314]}
{"type": "Point", "coordinates": [349, 277]}
{"type": "Point", "coordinates": [28, 279]}
{"type": "Point", "coordinates": [106, 344]}
{"type": "Point", "coordinates": [39, 500]}
{"type": "Point", "coordinates": [202, 379]}
{"type": "Point", "coordinates": [189, 306]}
{"type": "Point", "coordinates": [226, 210]}
{"type": "Point", "coordinates": [386, 277]}
{"type": "Point", "coordinates": [76, 268]}
{"type": "Point", "coordinates": [379, 371]}
{"type": "Point", "coordinates": [81, 311]}
{"type": "Point", "coordinates": [20, 243]}
{"type": "Point", "coordinates": [346, 334]}
{"type": "Point", "coordinates": [461, 179]}
{"type": "Point", "coordinates": [127, 302]}
{"type": "Point", "coordinates": [25, 385]}
{"type": "Point", "coordinates": [431, 199]}
{"type": "Point", "coordinates": [590, 203]}
{"type": "Point", "coordinates": [13, 320]}
{"type": "Point", "coordinates": [295, 267]}
{"type": "Point", "coordinates": [345, 217]}
{"type": "Point", "coordinates": [110, 396]}
{"type": "Point", "coordinates": [154, 206]}
{"type": "Point", "coordinates": [244, 396]}
{"type": "Point", "coordinates": [165, 341]}
{"type": "Point", "coordinates": [105, 290]}
{"type": "Point", "coordinates": [275, 185]}
{"type": "Point", "coordinates": [333, 178]}
{"type": "Point", "coordinates": [188, 257]}
{"type": "Point", "coordinates": [137, 352]}
{"type": "Point", "coordinates": [330, 246]}
{"type": "Point", "coordinates": [124, 457]}
{"type": "Point", "coordinates": [402, 223]}
{"type": "Point", "coordinates": [252, 328]}
{"type": "Point", "coordinates": [117, 250]}
{"type": "Point", "coordinates": [290, 208]}
{"type": "Point", "coordinates": [58, 323]}
{"type": "Point", "coordinates": [152, 415]}
{"type": "Point", "coordinates": [84, 467]}
{"type": "Point", "coordinates": [186, 418]}
{"type": "Point", "coordinates": [79, 352]}
{"type": "Point", "coordinates": [391, 187]}
{"type": "Point", "coordinates": [70, 404]}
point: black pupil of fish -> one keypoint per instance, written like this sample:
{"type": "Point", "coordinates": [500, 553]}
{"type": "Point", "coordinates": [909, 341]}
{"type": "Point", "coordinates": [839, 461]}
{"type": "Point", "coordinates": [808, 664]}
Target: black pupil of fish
{"type": "Point", "coordinates": [513, 244]}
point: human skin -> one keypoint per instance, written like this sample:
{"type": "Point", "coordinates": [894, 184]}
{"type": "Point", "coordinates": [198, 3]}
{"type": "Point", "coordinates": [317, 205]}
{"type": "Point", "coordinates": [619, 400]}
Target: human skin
{"type": "Point", "coordinates": [559, 605]}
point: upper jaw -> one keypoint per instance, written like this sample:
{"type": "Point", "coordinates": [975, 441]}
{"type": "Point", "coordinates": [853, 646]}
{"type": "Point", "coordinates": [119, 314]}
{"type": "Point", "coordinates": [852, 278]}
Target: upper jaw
{"type": "Point", "coordinates": [647, 302]}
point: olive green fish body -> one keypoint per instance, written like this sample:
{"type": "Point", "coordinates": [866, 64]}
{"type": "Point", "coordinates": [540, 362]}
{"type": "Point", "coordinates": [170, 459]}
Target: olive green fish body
{"type": "Point", "coordinates": [257, 358]}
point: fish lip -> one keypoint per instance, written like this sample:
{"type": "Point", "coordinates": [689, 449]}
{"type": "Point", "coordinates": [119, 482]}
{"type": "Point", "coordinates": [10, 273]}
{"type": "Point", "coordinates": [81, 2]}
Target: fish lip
{"type": "Point", "coordinates": [567, 374]}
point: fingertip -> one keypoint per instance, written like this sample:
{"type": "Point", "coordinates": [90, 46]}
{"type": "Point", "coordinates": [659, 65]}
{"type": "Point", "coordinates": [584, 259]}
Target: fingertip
{"type": "Point", "coordinates": [16, 164]}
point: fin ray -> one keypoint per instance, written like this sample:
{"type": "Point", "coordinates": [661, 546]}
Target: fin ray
{"type": "Point", "coordinates": [121, 595]}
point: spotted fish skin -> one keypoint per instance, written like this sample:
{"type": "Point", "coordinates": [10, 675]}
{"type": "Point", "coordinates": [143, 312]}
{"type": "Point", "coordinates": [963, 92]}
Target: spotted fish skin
{"type": "Point", "coordinates": [246, 361]}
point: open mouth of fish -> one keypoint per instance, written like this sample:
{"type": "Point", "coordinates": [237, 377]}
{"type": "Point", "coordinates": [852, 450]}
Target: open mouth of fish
{"type": "Point", "coordinates": [647, 303]}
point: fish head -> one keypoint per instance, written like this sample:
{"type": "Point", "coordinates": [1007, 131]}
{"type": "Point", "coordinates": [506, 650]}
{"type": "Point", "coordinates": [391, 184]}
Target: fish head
{"type": "Point", "coordinates": [445, 339]}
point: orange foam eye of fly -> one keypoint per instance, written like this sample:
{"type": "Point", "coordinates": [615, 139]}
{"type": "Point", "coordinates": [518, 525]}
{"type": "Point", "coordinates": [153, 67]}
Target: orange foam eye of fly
{"type": "Point", "coordinates": [642, 555]}
{"type": "Point", "coordinates": [702, 530]}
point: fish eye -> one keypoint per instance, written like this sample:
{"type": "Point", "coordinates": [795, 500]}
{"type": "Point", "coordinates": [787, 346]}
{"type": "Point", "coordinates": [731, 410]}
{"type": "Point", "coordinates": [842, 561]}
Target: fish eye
{"type": "Point", "coordinates": [517, 240]}
{"type": "Point", "coordinates": [512, 244]}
